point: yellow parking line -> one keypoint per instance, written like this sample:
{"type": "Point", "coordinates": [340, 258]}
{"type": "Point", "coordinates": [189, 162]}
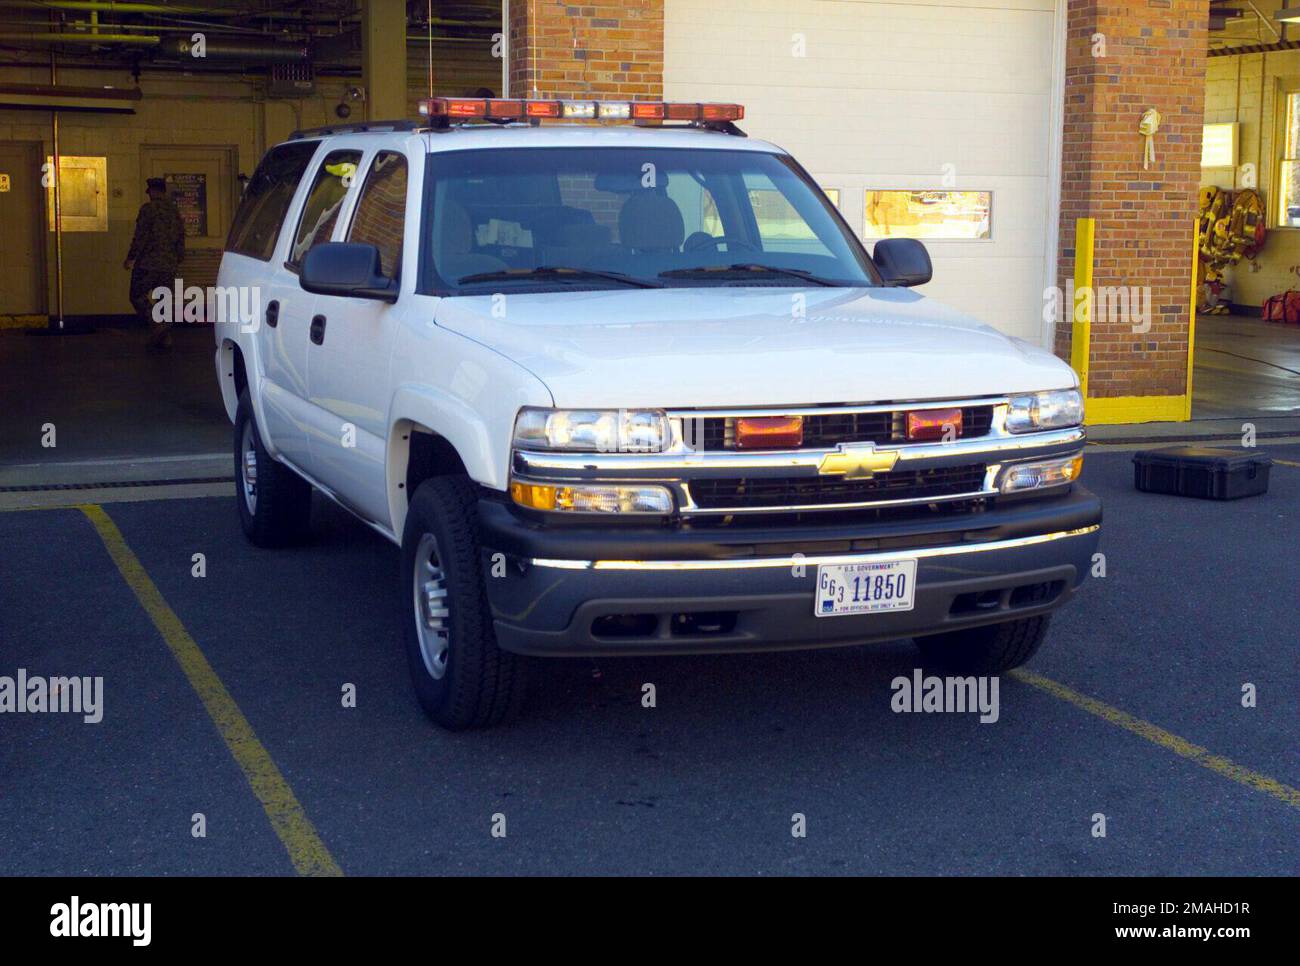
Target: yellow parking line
{"type": "Point", "coordinates": [306, 850]}
{"type": "Point", "coordinates": [1165, 739]}
{"type": "Point", "coordinates": [1286, 462]}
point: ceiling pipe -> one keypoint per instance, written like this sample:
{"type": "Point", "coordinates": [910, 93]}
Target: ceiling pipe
{"type": "Point", "coordinates": [109, 6]}
{"type": "Point", "coordinates": [136, 39]}
{"type": "Point", "coordinates": [218, 49]}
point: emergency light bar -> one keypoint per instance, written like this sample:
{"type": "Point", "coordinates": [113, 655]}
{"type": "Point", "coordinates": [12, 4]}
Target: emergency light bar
{"type": "Point", "coordinates": [509, 109]}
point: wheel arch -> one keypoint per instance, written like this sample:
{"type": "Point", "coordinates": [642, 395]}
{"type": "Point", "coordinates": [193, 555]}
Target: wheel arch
{"type": "Point", "coordinates": [430, 435]}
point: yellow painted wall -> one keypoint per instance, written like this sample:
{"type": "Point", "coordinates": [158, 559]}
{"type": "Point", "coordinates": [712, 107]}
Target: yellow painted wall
{"type": "Point", "coordinates": [189, 110]}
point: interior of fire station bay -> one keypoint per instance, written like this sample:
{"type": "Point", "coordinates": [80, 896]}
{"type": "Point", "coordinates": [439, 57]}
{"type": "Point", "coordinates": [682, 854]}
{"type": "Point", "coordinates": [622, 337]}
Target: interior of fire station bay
{"type": "Point", "coordinates": [1119, 183]}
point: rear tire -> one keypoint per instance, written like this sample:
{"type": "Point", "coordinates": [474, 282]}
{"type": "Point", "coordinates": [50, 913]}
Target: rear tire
{"type": "Point", "coordinates": [462, 679]}
{"type": "Point", "coordinates": [990, 649]}
{"type": "Point", "coordinates": [274, 501]}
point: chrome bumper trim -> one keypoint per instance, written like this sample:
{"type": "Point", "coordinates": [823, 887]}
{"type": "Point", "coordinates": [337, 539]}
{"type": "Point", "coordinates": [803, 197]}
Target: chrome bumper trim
{"type": "Point", "coordinates": [796, 560]}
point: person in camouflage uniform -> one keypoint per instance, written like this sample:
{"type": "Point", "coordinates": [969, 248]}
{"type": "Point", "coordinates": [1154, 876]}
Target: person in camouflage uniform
{"type": "Point", "coordinates": [156, 252]}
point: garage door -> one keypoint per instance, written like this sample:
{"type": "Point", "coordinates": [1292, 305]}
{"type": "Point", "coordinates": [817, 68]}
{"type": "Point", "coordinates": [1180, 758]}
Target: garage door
{"type": "Point", "coordinates": [916, 113]}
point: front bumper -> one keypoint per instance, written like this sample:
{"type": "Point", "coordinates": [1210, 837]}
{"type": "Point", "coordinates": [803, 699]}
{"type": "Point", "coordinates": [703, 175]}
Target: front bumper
{"type": "Point", "coordinates": [747, 589]}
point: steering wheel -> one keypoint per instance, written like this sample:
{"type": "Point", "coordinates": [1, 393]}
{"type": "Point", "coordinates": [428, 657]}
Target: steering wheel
{"type": "Point", "coordinates": [701, 240]}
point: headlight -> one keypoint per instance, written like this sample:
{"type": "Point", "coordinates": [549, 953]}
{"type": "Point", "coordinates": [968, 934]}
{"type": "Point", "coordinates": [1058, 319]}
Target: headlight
{"type": "Point", "coordinates": [592, 498]}
{"type": "Point", "coordinates": [593, 430]}
{"type": "Point", "coordinates": [1045, 410]}
{"type": "Point", "coordinates": [1034, 476]}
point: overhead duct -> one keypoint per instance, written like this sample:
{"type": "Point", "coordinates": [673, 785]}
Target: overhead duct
{"type": "Point", "coordinates": [50, 97]}
{"type": "Point", "coordinates": [267, 52]}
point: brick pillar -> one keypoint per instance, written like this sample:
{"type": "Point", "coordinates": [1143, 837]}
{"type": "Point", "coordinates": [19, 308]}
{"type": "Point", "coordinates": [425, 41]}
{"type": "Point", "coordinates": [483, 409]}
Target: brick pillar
{"type": "Point", "coordinates": [1122, 58]}
{"type": "Point", "coordinates": [608, 50]}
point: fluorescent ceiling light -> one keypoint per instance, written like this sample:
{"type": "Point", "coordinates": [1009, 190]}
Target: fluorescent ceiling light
{"type": "Point", "coordinates": [1289, 15]}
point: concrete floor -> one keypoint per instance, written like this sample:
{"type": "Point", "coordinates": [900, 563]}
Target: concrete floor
{"type": "Point", "coordinates": [111, 401]}
{"type": "Point", "coordinates": [108, 398]}
{"type": "Point", "coordinates": [1245, 367]}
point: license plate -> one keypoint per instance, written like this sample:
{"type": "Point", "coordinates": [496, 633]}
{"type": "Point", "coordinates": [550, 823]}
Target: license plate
{"type": "Point", "coordinates": [865, 588]}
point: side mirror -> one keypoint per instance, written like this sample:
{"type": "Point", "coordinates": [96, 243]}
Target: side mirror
{"type": "Point", "coordinates": [349, 269]}
{"type": "Point", "coordinates": [903, 262]}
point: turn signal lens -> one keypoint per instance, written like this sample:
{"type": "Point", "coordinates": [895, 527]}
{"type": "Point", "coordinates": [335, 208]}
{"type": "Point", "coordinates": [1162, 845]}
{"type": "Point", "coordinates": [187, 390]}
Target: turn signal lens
{"type": "Point", "coordinates": [769, 432]}
{"type": "Point", "coordinates": [592, 498]}
{"type": "Point", "coordinates": [932, 424]}
{"type": "Point", "coordinates": [1034, 476]}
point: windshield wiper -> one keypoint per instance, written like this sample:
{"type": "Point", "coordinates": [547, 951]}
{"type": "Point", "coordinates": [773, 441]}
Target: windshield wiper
{"type": "Point", "coordinates": [560, 272]}
{"type": "Point", "coordinates": [706, 270]}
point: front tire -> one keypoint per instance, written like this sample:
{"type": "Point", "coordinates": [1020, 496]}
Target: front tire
{"type": "Point", "coordinates": [462, 679]}
{"type": "Point", "coordinates": [274, 501]}
{"type": "Point", "coordinates": [990, 649]}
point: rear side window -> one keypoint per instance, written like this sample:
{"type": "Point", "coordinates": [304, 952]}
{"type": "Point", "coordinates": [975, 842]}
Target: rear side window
{"type": "Point", "coordinates": [321, 210]}
{"type": "Point", "coordinates": [266, 200]}
{"type": "Point", "coordinates": [381, 211]}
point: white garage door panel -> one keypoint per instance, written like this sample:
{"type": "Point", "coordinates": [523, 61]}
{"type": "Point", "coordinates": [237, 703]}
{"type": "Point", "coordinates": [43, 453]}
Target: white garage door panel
{"type": "Point", "coordinates": [886, 96]}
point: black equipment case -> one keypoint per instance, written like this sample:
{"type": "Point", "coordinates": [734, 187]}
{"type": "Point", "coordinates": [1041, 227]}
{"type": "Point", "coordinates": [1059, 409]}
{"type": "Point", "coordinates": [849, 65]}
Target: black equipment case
{"type": "Point", "coordinates": [1211, 474]}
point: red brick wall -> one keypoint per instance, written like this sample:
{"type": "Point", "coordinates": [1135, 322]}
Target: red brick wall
{"type": "Point", "coordinates": [1154, 57]}
{"type": "Point", "coordinates": [608, 49]}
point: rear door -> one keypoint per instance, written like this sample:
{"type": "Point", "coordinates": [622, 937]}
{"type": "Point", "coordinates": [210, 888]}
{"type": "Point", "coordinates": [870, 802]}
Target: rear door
{"type": "Point", "coordinates": [22, 226]}
{"type": "Point", "coordinates": [254, 258]}
{"type": "Point", "coordinates": [304, 317]}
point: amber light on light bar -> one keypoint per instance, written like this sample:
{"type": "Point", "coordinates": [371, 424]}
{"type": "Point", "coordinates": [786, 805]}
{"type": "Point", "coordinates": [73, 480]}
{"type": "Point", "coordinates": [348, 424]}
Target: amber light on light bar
{"type": "Point", "coordinates": [769, 432]}
{"type": "Point", "coordinates": [502, 107]}
{"type": "Point", "coordinates": [931, 424]}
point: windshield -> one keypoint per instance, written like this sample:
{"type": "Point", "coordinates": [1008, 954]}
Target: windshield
{"type": "Point", "coordinates": [557, 219]}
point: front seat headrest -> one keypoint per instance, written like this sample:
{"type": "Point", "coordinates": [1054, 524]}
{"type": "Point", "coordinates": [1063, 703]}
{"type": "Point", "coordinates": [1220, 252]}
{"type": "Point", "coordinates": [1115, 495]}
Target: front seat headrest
{"type": "Point", "coordinates": [651, 222]}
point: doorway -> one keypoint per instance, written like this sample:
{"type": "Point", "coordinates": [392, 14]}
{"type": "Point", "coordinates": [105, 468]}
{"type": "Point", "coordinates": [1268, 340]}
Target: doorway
{"type": "Point", "coordinates": [22, 257]}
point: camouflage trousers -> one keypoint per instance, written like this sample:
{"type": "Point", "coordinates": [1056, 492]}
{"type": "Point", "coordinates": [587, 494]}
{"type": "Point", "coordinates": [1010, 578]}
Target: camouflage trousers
{"type": "Point", "coordinates": [144, 279]}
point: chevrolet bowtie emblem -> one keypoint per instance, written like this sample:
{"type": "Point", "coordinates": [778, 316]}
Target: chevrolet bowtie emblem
{"type": "Point", "coordinates": [857, 463]}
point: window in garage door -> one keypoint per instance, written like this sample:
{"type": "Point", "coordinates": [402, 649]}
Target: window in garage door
{"type": "Point", "coordinates": [780, 227]}
{"type": "Point", "coordinates": [928, 214]}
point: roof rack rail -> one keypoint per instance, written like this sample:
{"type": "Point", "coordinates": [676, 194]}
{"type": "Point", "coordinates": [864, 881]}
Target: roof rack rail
{"type": "Point", "coordinates": [358, 126]}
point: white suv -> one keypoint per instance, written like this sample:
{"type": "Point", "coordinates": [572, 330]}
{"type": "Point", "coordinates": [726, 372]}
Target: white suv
{"type": "Point", "coordinates": [636, 388]}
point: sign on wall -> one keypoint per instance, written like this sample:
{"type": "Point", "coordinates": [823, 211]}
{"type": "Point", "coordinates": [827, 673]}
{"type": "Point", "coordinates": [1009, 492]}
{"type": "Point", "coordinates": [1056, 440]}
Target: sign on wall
{"type": "Point", "coordinates": [189, 192]}
{"type": "Point", "coordinates": [1219, 145]}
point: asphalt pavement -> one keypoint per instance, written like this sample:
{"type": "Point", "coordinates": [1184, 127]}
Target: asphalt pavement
{"type": "Point", "coordinates": [1198, 600]}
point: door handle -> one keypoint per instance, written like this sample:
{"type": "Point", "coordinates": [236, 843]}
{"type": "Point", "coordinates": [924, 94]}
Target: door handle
{"type": "Point", "coordinates": [318, 329]}
{"type": "Point", "coordinates": [273, 313]}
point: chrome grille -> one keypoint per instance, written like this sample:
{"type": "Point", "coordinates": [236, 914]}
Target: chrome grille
{"type": "Point", "coordinates": [780, 492]}
{"type": "Point", "coordinates": [827, 430]}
